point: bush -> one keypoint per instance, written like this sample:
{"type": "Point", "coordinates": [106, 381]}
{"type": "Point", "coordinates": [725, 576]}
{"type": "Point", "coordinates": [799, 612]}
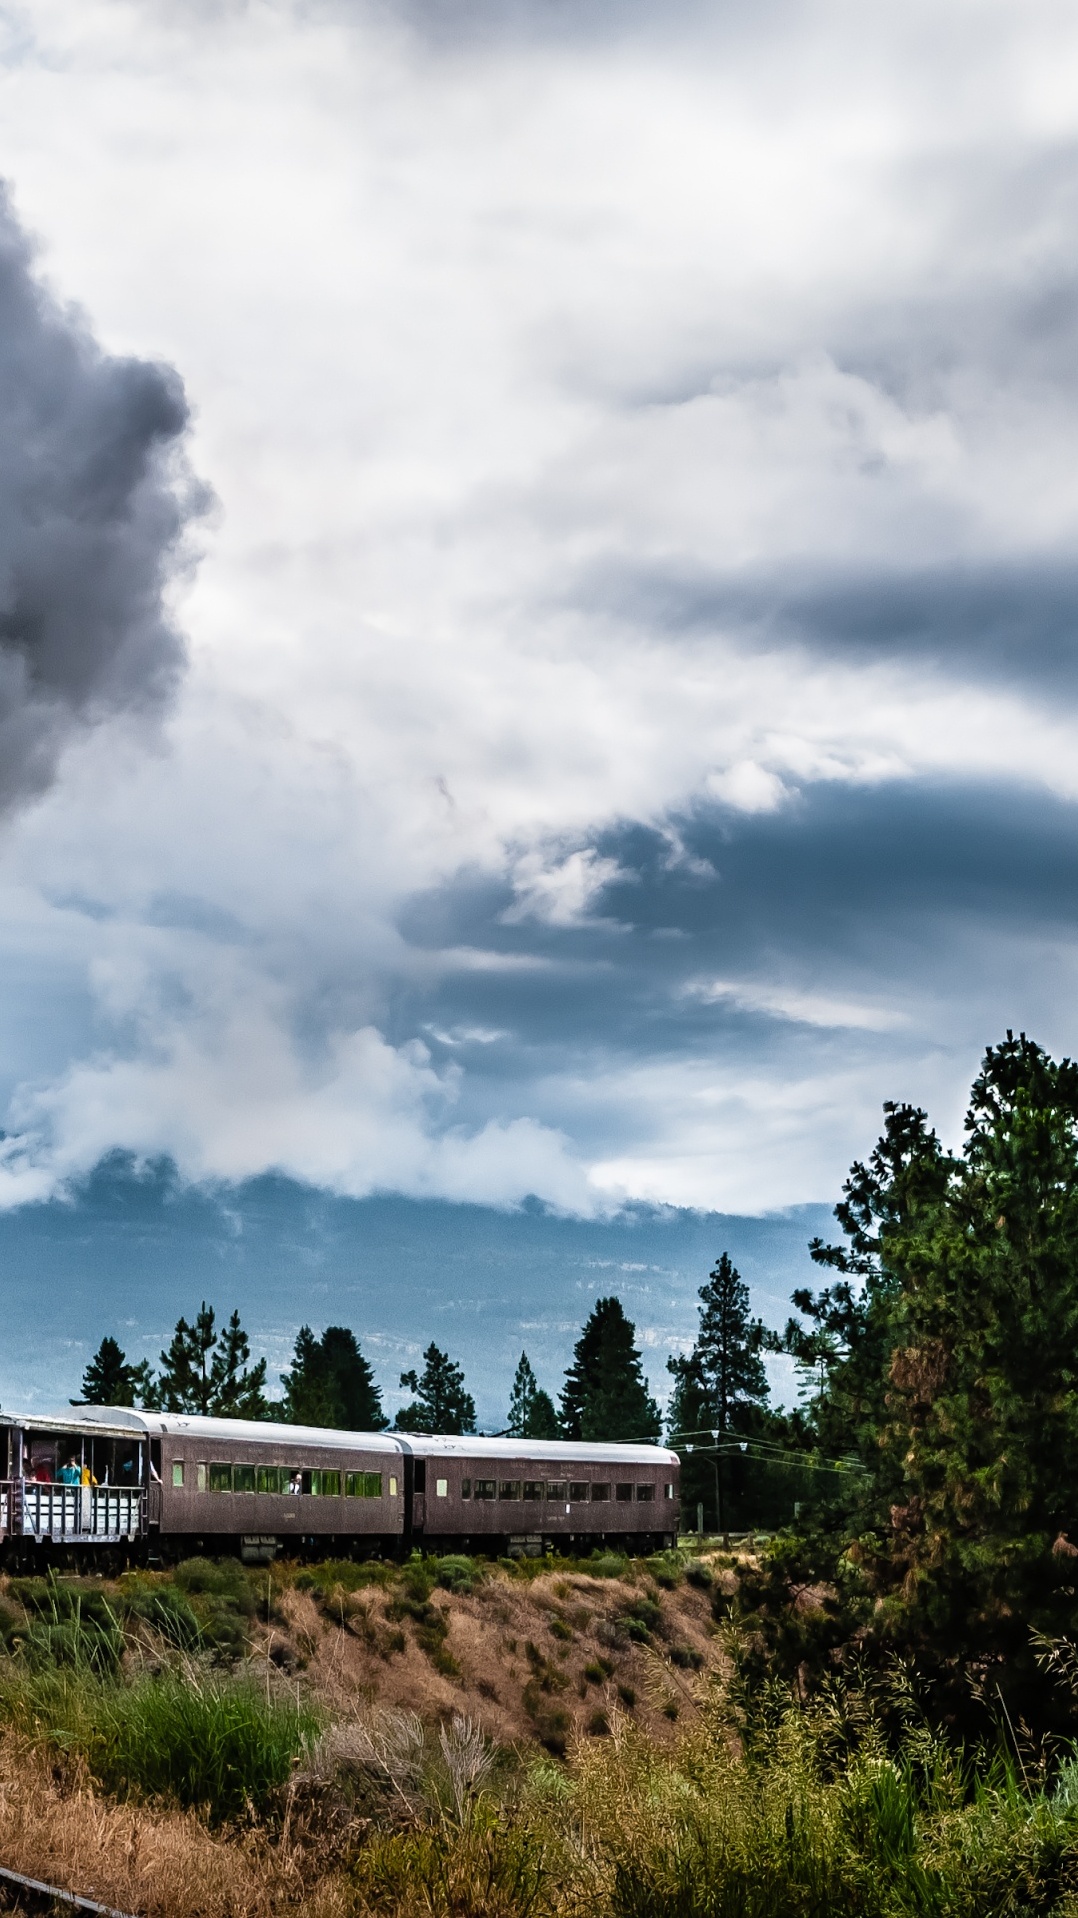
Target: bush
{"type": "Point", "coordinates": [605, 1565]}
{"type": "Point", "coordinates": [667, 1569]}
{"type": "Point", "coordinates": [458, 1573]}
{"type": "Point", "coordinates": [223, 1578]}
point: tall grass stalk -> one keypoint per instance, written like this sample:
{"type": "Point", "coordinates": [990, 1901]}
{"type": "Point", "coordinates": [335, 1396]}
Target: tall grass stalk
{"type": "Point", "coordinates": [194, 1737]}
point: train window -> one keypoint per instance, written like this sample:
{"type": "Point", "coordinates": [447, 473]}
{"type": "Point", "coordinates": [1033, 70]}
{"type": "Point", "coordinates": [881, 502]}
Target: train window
{"type": "Point", "coordinates": [243, 1478]}
{"type": "Point", "coordinates": [392, 1487]}
{"type": "Point", "coordinates": [420, 1475]}
{"type": "Point", "coordinates": [177, 1473]}
{"type": "Point", "coordinates": [533, 1488]}
{"type": "Point", "coordinates": [485, 1488]}
{"type": "Point", "coordinates": [201, 1476]}
{"type": "Point", "coordinates": [220, 1478]}
{"type": "Point", "coordinates": [645, 1493]}
{"type": "Point", "coordinates": [322, 1484]}
{"type": "Point", "coordinates": [668, 1491]}
{"type": "Point", "coordinates": [466, 1488]}
{"type": "Point", "coordinates": [578, 1491]}
{"type": "Point", "coordinates": [509, 1488]}
{"type": "Point", "coordinates": [441, 1488]}
{"type": "Point", "coordinates": [624, 1494]}
{"type": "Point", "coordinates": [600, 1491]}
{"type": "Point", "coordinates": [559, 1490]}
{"type": "Point", "coordinates": [268, 1478]}
{"type": "Point", "coordinates": [363, 1485]}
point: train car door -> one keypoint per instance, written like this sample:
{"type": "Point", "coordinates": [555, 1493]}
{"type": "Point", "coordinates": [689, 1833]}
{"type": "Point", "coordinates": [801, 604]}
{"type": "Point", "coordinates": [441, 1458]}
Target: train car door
{"type": "Point", "coordinates": [419, 1496]}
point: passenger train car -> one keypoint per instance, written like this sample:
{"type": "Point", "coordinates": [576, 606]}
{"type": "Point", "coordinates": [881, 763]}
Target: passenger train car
{"type": "Point", "coordinates": [162, 1485]}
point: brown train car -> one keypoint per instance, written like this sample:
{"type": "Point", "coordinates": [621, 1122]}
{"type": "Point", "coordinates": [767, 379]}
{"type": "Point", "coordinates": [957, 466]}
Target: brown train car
{"type": "Point", "coordinates": [274, 1485]}
{"type": "Point", "coordinates": [528, 1494]}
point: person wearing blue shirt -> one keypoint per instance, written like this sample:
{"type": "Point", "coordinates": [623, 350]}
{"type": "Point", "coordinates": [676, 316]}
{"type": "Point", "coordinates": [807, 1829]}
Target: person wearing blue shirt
{"type": "Point", "coordinates": [70, 1474]}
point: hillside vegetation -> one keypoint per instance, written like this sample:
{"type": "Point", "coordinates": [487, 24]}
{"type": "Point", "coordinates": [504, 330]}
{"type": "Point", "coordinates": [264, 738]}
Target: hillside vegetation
{"type": "Point", "coordinates": [458, 1738]}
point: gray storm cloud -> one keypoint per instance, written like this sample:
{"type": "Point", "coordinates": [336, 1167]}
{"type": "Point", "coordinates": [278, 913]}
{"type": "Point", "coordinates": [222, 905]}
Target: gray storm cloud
{"type": "Point", "coordinates": [90, 519]}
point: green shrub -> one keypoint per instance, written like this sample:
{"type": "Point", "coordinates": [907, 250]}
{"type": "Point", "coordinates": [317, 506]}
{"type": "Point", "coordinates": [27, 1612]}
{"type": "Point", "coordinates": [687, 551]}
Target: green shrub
{"type": "Point", "coordinates": [458, 1573]}
{"type": "Point", "coordinates": [335, 1574]}
{"type": "Point", "coordinates": [222, 1578]}
{"type": "Point", "coordinates": [167, 1612]}
{"type": "Point", "coordinates": [66, 1623]}
{"type": "Point", "coordinates": [209, 1742]}
{"type": "Point", "coordinates": [605, 1565]}
{"type": "Point", "coordinates": [667, 1569]}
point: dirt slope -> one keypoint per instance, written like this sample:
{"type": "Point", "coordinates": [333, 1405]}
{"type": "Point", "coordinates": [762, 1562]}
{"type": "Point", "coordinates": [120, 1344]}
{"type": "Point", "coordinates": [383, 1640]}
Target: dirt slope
{"type": "Point", "coordinates": [528, 1658]}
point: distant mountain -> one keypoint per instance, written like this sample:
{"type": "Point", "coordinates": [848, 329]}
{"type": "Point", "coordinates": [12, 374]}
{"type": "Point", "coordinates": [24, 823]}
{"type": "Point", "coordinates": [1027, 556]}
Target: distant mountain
{"type": "Point", "coordinates": [132, 1250]}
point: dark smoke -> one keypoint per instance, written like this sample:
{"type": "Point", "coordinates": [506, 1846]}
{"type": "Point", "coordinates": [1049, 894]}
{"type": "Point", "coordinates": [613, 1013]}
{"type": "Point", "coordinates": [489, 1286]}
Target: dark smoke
{"type": "Point", "coordinates": [91, 512]}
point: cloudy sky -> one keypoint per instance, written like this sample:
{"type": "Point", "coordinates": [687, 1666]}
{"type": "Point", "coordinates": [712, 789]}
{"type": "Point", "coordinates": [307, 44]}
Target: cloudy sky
{"type": "Point", "coordinates": [537, 586]}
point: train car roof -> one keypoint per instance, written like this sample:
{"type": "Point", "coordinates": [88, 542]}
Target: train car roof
{"type": "Point", "coordinates": [119, 1422]}
{"type": "Point", "coordinates": [115, 1422]}
{"type": "Point", "coordinates": [550, 1451]}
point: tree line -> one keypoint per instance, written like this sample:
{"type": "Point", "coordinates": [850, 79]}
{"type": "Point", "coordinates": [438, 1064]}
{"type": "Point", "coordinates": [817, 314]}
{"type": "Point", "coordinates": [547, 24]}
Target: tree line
{"type": "Point", "coordinates": [207, 1368]}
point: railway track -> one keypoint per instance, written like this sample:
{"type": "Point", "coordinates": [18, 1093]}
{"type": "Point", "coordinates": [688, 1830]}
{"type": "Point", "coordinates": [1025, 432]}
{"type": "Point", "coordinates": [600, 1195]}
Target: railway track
{"type": "Point", "coordinates": [37, 1896]}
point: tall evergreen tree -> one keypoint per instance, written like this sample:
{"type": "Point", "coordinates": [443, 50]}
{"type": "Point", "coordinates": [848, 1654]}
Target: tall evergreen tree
{"type": "Point", "coordinates": [331, 1383]}
{"type": "Point", "coordinates": [208, 1372]}
{"type": "Point", "coordinates": [720, 1388]}
{"type": "Point", "coordinates": [605, 1394]}
{"type": "Point", "coordinates": [525, 1386]}
{"type": "Point", "coordinates": [955, 1363]}
{"type": "Point", "coordinates": [542, 1418]}
{"type": "Point", "coordinates": [110, 1380]}
{"type": "Point", "coordinates": [531, 1410]}
{"type": "Point", "coordinates": [441, 1402]}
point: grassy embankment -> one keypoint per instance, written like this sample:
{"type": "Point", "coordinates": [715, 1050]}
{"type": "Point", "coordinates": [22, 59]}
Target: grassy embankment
{"type": "Point", "coordinates": [199, 1743]}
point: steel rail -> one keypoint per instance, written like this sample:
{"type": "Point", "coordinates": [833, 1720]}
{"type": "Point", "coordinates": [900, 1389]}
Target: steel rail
{"type": "Point", "coordinates": [55, 1896]}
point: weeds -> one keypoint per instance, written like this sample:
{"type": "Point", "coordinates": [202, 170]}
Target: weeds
{"type": "Point", "coordinates": [762, 1800]}
{"type": "Point", "coordinates": [192, 1737]}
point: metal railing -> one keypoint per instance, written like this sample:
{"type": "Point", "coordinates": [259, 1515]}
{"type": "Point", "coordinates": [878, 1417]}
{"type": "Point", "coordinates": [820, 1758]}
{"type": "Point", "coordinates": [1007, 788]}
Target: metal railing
{"type": "Point", "coordinates": [75, 1514]}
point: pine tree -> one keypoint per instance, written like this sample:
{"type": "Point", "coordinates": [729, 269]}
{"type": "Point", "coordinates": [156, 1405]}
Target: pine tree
{"type": "Point", "coordinates": [238, 1388]}
{"type": "Point", "coordinates": [720, 1388]}
{"type": "Point", "coordinates": [521, 1398]}
{"type": "Point", "coordinates": [110, 1380]}
{"type": "Point", "coordinates": [531, 1410]}
{"type": "Point", "coordinates": [331, 1383]}
{"type": "Point", "coordinates": [542, 1418]}
{"type": "Point", "coordinates": [725, 1366]}
{"type": "Point", "coordinates": [441, 1402]}
{"type": "Point", "coordinates": [605, 1396]}
{"type": "Point", "coordinates": [205, 1372]}
{"type": "Point", "coordinates": [955, 1368]}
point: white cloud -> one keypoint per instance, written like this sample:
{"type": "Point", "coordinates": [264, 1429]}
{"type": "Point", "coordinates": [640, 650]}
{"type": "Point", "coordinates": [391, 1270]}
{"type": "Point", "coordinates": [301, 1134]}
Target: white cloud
{"type": "Point", "coordinates": [562, 894]}
{"type": "Point", "coordinates": [800, 1007]}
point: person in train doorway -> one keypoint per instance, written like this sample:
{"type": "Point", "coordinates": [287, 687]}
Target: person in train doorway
{"type": "Point", "coordinates": [87, 1476]}
{"type": "Point", "coordinates": [69, 1473]}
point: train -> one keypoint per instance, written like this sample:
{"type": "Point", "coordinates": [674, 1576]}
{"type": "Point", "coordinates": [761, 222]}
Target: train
{"type": "Point", "coordinates": [106, 1482]}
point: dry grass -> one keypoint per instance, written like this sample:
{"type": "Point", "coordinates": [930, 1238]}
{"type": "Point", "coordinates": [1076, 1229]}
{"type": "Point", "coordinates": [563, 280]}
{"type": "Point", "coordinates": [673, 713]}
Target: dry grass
{"type": "Point", "coordinates": [154, 1862]}
{"type": "Point", "coordinates": [533, 1654]}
